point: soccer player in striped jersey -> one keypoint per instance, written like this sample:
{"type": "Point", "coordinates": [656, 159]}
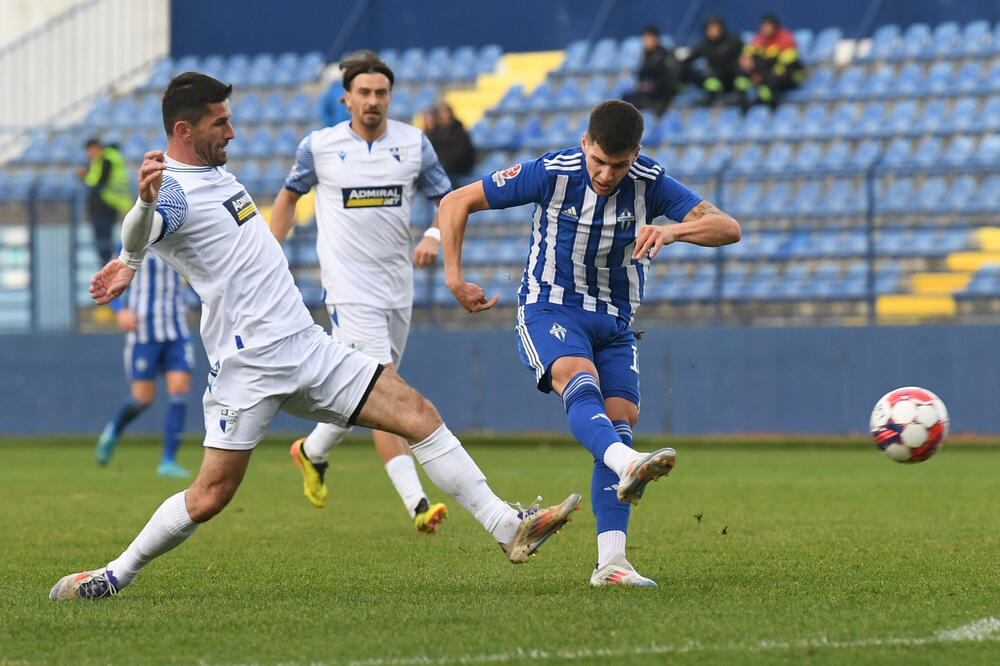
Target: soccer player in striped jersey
{"type": "Point", "coordinates": [592, 237]}
{"type": "Point", "coordinates": [157, 341]}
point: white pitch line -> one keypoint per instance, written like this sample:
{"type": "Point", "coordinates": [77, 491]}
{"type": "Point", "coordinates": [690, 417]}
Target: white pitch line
{"type": "Point", "coordinates": [986, 629]}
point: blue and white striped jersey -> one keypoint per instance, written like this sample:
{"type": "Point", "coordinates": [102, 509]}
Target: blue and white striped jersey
{"type": "Point", "coordinates": [156, 295]}
{"type": "Point", "coordinates": [582, 243]}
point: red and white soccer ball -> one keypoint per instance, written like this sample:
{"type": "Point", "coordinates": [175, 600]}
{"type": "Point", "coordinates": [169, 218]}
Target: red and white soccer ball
{"type": "Point", "coordinates": [909, 424]}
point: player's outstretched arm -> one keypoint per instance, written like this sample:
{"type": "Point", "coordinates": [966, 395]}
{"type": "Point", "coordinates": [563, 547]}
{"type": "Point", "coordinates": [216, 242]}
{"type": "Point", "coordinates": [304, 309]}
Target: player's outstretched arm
{"type": "Point", "coordinates": [283, 214]}
{"type": "Point", "coordinates": [110, 282]}
{"type": "Point", "coordinates": [704, 225]}
{"type": "Point", "coordinates": [453, 215]}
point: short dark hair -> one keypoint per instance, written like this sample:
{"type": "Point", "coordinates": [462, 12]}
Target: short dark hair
{"type": "Point", "coordinates": [364, 62]}
{"type": "Point", "coordinates": [92, 141]}
{"type": "Point", "coordinates": [616, 126]}
{"type": "Point", "coordinates": [772, 19]}
{"type": "Point", "coordinates": [650, 30]}
{"type": "Point", "coordinates": [188, 96]}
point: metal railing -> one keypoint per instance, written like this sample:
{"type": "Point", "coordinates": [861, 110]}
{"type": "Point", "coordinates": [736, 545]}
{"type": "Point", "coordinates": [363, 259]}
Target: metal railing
{"type": "Point", "coordinates": [53, 69]}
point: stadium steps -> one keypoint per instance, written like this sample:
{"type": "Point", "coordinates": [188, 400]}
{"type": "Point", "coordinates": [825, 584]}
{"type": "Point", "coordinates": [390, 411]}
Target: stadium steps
{"type": "Point", "coordinates": [915, 306]}
{"type": "Point", "coordinates": [527, 69]}
{"type": "Point", "coordinates": [940, 283]}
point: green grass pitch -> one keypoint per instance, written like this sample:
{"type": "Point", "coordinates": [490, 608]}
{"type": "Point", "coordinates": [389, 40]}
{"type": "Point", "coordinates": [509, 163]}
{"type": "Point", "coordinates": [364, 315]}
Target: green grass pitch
{"type": "Point", "coordinates": [816, 552]}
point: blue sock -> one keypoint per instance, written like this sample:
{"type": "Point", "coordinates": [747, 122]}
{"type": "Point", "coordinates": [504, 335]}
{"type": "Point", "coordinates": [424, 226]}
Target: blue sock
{"type": "Point", "coordinates": [173, 426]}
{"type": "Point", "coordinates": [127, 413]}
{"type": "Point", "coordinates": [585, 412]}
{"type": "Point", "coordinates": [608, 511]}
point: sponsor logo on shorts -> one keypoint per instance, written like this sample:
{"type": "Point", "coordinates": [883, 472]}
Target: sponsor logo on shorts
{"type": "Point", "coordinates": [501, 177]}
{"type": "Point", "coordinates": [383, 196]}
{"type": "Point", "coordinates": [558, 332]}
{"type": "Point", "coordinates": [228, 417]}
{"type": "Point", "coordinates": [241, 207]}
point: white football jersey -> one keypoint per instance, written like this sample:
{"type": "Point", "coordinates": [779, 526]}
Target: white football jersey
{"type": "Point", "coordinates": [215, 238]}
{"type": "Point", "coordinates": [363, 196]}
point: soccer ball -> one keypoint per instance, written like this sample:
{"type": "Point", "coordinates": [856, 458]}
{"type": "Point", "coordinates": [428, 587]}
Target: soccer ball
{"type": "Point", "coordinates": [909, 424]}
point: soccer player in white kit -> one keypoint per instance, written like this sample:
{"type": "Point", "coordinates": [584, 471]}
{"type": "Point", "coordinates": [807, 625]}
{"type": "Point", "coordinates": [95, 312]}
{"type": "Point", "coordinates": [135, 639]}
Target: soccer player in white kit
{"type": "Point", "coordinates": [366, 171]}
{"type": "Point", "coordinates": [265, 351]}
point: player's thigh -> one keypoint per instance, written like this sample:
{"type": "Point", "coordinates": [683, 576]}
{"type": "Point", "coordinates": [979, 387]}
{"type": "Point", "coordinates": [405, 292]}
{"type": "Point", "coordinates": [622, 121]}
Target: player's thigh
{"type": "Point", "coordinates": [178, 362]}
{"type": "Point", "coordinates": [364, 328]}
{"type": "Point", "coordinates": [617, 361]}
{"type": "Point", "coordinates": [396, 407]}
{"type": "Point", "coordinates": [143, 390]}
{"type": "Point", "coordinates": [547, 334]}
{"type": "Point", "coordinates": [178, 381]}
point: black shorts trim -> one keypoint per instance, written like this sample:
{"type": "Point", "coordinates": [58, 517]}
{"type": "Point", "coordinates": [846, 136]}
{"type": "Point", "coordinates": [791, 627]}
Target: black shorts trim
{"type": "Point", "coordinates": [364, 396]}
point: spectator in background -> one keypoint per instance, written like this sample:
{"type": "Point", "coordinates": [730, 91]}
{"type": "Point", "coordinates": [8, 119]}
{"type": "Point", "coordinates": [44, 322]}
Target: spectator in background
{"type": "Point", "coordinates": [721, 51]}
{"type": "Point", "coordinates": [451, 143]}
{"type": "Point", "coordinates": [658, 74]}
{"type": "Point", "coordinates": [108, 192]}
{"type": "Point", "coordinates": [331, 108]}
{"type": "Point", "coordinates": [770, 62]}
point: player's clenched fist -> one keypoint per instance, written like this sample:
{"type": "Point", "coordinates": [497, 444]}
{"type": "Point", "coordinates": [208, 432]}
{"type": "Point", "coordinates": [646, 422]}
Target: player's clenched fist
{"type": "Point", "coordinates": [472, 297]}
{"type": "Point", "coordinates": [151, 175]}
{"type": "Point", "coordinates": [426, 252]}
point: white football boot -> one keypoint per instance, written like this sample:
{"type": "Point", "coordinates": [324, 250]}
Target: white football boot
{"type": "Point", "coordinates": [642, 471]}
{"type": "Point", "coordinates": [618, 571]}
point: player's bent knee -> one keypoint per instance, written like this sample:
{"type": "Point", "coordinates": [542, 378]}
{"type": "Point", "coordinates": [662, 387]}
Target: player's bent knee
{"type": "Point", "coordinates": [206, 502]}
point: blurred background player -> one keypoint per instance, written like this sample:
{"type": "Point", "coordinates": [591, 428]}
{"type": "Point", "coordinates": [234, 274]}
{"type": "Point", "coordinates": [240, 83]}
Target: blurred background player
{"type": "Point", "coordinates": [658, 74]}
{"type": "Point", "coordinates": [157, 341]}
{"type": "Point", "coordinates": [108, 192]}
{"type": "Point", "coordinates": [770, 62]}
{"type": "Point", "coordinates": [366, 172]}
{"type": "Point", "coordinates": [720, 50]}
{"type": "Point", "coordinates": [582, 284]}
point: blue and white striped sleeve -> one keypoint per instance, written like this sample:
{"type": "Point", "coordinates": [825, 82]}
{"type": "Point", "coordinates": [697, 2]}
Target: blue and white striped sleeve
{"type": "Point", "coordinates": [432, 181]}
{"type": "Point", "coordinates": [171, 205]}
{"type": "Point", "coordinates": [302, 177]}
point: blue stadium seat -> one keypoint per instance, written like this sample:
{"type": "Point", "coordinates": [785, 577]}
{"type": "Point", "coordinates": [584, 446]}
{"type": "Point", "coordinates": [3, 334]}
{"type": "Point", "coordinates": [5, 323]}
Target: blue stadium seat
{"type": "Point", "coordinates": [57, 185]}
{"type": "Point", "coordinates": [746, 202]}
{"type": "Point", "coordinates": [836, 157]}
{"type": "Point", "coordinates": [843, 198]}
{"type": "Point", "coordinates": [928, 196]}
{"type": "Point", "coordinates": [214, 66]}
{"type": "Point", "coordinates": [696, 122]}
{"type": "Point", "coordinates": [930, 120]}
{"type": "Point", "coordinates": [575, 61]}
{"type": "Point", "coordinates": [273, 108]}
{"type": "Point", "coordinates": [940, 80]}
{"type": "Point", "coordinates": [870, 123]}
{"type": "Point", "coordinates": [757, 124]}
{"type": "Point", "coordinates": [883, 43]}
{"type": "Point", "coordinates": [489, 56]}
{"type": "Point", "coordinates": [806, 201]}
{"type": "Point", "coordinates": [749, 159]}
{"type": "Point", "coordinates": [927, 154]}
{"type": "Point", "coordinates": [775, 204]}
{"type": "Point", "coordinates": [823, 46]}
{"type": "Point", "coordinates": [910, 81]}
{"type": "Point", "coordinates": [301, 108]}
{"type": "Point", "coordinates": [807, 158]}
{"type": "Point", "coordinates": [991, 80]}
{"type": "Point", "coordinates": [967, 80]}
{"type": "Point", "coordinates": [160, 76]}
{"type": "Point", "coordinates": [728, 125]}
{"type": "Point", "coordinates": [879, 85]}
{"type": "Point", "coordinates": [900, 119]}
{"type": "Point", "coordinates": [945, 42]}
{"type": "Point", "coordinates": [249, 109]}
{"type": "Point", "coordinates": [960, 194]}
{"type": "Point", "coordinates": [988, 152]}
{"type": "Point", "coordinates": [977, 39]}
{"type": "Point", "coordinates": [988, 119]}
{"type": "Point", "coordinates": [260, 143]}
{"type": "Point", "coordinates": [898, 154]}
{"type": "Point", "coordinates": [847, 86]}
{"type": "Point", "coordinates": [840, 122]}
{"type": "Point", "coordinates": [865, 154]}
{"type": "Point", "coordinates": [785, 121]}
{"type": "Point", "coordinates": [959, 152]}
{"type": "Point", "coordinates": [262, 71]}
{"type": "Point", "coordinates": [963, 117]}
{"type": "Point", "coordinates": [916, 42]}
{"type": "Point", "coordinates": [778, 158]}
{"type": "Point", "coordinates": [896, 197]}
{"type": "Point", "coordinates": [188, 63]}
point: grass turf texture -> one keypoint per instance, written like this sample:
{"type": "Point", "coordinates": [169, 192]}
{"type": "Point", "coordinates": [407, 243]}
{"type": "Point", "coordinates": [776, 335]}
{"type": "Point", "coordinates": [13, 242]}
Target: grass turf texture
{"type": "Point", "coordinates": [831, 553]}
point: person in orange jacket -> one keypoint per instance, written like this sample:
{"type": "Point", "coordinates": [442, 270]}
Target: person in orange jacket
{"type": "Point", "coordinates": [770, 62]}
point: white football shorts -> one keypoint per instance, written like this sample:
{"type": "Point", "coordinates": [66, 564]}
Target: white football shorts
{"type": "Point", "coordinates": [308, 374]}
{"type": "Point", "coordinates": [380, 333]}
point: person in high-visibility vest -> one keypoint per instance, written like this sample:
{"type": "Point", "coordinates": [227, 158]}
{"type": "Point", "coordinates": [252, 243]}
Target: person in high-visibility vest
{"type": "Point", "coordinates": [109, 195]}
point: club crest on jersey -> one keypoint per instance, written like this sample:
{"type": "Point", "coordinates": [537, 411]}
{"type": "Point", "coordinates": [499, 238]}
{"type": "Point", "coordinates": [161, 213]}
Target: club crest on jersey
{"type": "Point", "coordinates": [398, 153]}
{"type": "Point", "coordinates": [342, 155]}
{"type": "Point", "coordinates": [228, 417]}
{"type": "Point", "coordinates": [240, 206]}
{"type": "Point", "coordinates": [383, 196]}
{"type": "Point", "coordinates": [501, 177]}
{"type": "Point", "coordinates": [625, 219]}
{"type": "Point", "coordinates": [558, 332]}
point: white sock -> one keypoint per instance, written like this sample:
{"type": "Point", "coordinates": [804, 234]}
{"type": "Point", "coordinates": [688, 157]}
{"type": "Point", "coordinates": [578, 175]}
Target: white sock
{"type": "Point", "coordinates": [609, 544]}
{"type": "Point", "coordinates": [167, 529]}
{"type": "Point", "coordinates": [403, 474]}
{"type": "Point", "coordinates": [322, 440]}
{"type": "Point", "coordinates": [618, 457]}
{"type": "Point", "coordinates": [453, 471]}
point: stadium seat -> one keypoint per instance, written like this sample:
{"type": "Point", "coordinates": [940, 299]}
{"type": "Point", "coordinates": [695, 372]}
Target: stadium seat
{"type": "Point", "coordinates": [842, 199]}
{"type": "Point", "coordinates": [879, 85]}
{"type": "Point", "coordinates": [805, 202]}
{"type": "Point", "coordinates": [778, 158]}
{"type": "Point", "coordinates": [967, 80]}
{"type": "Point", "coordinates": [916, 42]}
{"type": "Point", "coordinates": [909, 82]}
{"type": "Point", "coordinates": [963, 117]}
{"type": "Point", "coordinates": [897, 154]}
{"type": "Point", "coordinates": [757, 125]}
{"type": "Point", "coordinates": [847, 86]}
{"type": "Point", "coordinates": [930, 120]}
{"type": "Point", "coordinates": [823, 46]}
{"type": "Point", "coordinates": [959, 152]}
{"type": "Point", "coordinates": [960, 195]}
{"type": "Point", "coordinates": [988, 152]}
{"type": "Point", "coordinates": [865, 155]}
{"type": "Point", "coordinates": [870, 123]}
{"type": "Point", "coordinates": [273, 109]}
{"type": "Point", "coordinates": [945, 42]}
{"type": "Point", "coordinates": [836, 157]}
{"type": "Point", "coordinates": [977, 39]}
{"type": "Point", "coordinates": [883, 43]}
{"type": "Point", "coordinates": [929, 195]}
{"type": "Point", "coordinates": [940, 80]}
{"type": "Point", "coordinates": [927, 153]}
{"type": "Point", "coordinates": [815, 87]}
{"type": "Point", "coordinates": [895, 198]}
{"type": "Point", "coordinates": [900, 119]}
